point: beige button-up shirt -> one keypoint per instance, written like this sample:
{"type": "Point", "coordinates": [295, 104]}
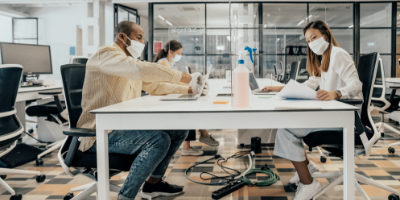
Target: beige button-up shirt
{"type": "Point", "coordinates": [113, 77]}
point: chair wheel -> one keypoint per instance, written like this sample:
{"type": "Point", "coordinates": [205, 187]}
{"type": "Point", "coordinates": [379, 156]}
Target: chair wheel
{"type": "Point", "coordinates": [394, 197]}
{"type": "Point", "coordinates": [391, 150]}
{"type": "Point", "coordinates": [16, 197]}
{"type": "Point", "coordinates": [30, 130]}
{"type": "Point", "coordinates": [39, 162]}
{"type": "Point", "coordinates": [323, 159]}
{"type": "Point", "coordinates": [69, 196]}
{"type": "Point", "coordinates": [40, 178]}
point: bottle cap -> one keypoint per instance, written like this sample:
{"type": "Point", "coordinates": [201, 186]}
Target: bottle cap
{"type": "Point", "coordinates": [241, 62]}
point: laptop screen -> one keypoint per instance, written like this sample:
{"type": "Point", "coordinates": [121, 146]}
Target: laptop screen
{"type": "Point", "coordinates": [253, 81]}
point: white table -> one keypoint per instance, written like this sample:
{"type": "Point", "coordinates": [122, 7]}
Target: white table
{"type": "Point", "coordinates": [32, 93]}
{"type": "Point", "coordinates": [148, 113]}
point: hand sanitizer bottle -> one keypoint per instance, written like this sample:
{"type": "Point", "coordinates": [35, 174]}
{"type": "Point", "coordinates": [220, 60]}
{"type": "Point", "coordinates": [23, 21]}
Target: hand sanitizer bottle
{"type": "Point", "coordinates": [241, 89]}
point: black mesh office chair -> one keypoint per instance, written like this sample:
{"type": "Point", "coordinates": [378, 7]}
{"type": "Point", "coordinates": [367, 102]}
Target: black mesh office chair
{"type": "Point", "coordinates": [78, 60]}
{"type": "Point", "coordinates": [73, 76]}
{"type": "Point", "coordinates": [294, 71]}
{"type": "Point", "coordinates": [11, 128]}
{"type": "Point", "coordinates": [366, 134]}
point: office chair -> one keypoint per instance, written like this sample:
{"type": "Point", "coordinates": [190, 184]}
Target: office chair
{"type": "Point", "coordinates": [73, 76]}
{"type": "Point", "coordinates": [188, 70]}
{"type": "Point", "coordinates": [294, 71]}
{"type": "Point", "coordinates": [11, 128]}
{"type": "Point", "coordinates": [284, 73]}
{"type": "Point", "coordinates": [277, 76]}
{"type": "Point", "coordinates": [365, 132]}
{"type": "Point", "coordinates": [78, 60]}
{"type": "Point", "coordinates": [385, 103]}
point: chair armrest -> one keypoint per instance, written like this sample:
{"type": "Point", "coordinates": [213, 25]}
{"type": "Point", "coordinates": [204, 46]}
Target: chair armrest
{"type": "Point", "coordinates": [50, 93]}
{"type": "Point", "coordinates": [79, 132]}
{"type": "Point", "coordinates": [352, 101]}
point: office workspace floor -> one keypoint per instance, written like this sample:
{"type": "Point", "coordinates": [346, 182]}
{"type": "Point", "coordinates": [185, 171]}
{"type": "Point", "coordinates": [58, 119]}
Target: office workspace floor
{"type": "Point", "coordinates": [381, 166]}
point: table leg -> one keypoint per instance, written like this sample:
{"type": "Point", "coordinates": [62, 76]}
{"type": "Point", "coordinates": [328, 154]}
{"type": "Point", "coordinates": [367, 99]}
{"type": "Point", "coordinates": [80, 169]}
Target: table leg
{"type": "Point", "coordinates": [348, 162]}
{"type": "Point", "coordinates": [103, 184]}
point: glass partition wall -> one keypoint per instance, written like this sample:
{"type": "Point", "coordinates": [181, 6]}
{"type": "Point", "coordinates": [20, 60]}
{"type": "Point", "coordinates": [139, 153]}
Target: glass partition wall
{"type": "Point", "coordinates": [280, 39]}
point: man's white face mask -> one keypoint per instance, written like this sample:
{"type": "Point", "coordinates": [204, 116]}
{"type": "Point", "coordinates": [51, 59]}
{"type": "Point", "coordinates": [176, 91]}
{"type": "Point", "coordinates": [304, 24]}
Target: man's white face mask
{"type": "Point", "coordinates": [319, 45]}
{"type": "Point", "coordinates": [135, 49]}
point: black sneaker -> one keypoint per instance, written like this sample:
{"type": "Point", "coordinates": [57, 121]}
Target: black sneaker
{"type": "Point", "coordinates": [161, 188]}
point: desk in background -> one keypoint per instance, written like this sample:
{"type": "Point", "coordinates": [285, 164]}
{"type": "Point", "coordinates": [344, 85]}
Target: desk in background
{"type": "Point", "coordinates": [141, 113]}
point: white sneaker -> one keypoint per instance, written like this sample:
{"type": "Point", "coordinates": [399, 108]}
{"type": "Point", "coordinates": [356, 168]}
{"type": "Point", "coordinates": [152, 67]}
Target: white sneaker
{"type": "Point", "coordinates": [307, 192]}
{"type": "Point", "coordinates": [209, 141]}
{"type": "Point", "coordinates": [311, 168]}
{"type": "Point", "coordinates": [192, 152]}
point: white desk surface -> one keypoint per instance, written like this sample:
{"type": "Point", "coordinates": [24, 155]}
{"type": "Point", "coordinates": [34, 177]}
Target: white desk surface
{"type": "Point", "coordinates": [392, 80]}
{"type": "Point", "coordinates": [32, 93]}
{"type": "Point", "coordinates": [258, 103]}
{"type": "Point", "coordinates": [149, 113]}
{"type": "Point", "coordinates": [58, 85]}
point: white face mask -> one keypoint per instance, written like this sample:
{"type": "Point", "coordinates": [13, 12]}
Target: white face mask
{"type": "Point", "coordinates": [135, 49]}
{"type": "Point", "coordinates": [176, 58]}
{"type": "Point", "coordinates": [319, 45]}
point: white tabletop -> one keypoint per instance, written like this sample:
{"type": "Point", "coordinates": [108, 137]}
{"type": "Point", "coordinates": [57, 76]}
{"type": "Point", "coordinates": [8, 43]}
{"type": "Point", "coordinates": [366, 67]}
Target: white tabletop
{"type": "Point", "coordinates": [258, 103]}
{"type": "Point", "coordinates": [393, 80]}
{"type": "Point", "coordinates": [57, 85]}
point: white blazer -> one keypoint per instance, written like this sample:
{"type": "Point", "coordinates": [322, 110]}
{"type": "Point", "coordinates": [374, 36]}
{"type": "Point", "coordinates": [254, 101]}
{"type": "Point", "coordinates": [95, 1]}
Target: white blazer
{"type": "Point", "coordinates": [342, 75]}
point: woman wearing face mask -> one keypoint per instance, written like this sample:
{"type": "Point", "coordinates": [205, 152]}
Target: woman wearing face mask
{"type": "Point", "coordinates": [333, 70]}
{"type": "Point", "coordinates": [169, 56]}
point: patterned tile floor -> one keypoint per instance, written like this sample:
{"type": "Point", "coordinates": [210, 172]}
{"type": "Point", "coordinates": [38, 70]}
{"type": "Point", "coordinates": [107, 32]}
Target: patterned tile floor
{"type": "Point", "coordinates": [381, 166]}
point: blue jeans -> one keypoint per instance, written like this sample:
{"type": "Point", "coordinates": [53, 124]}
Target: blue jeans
{"type": "Point", "coordinates": [154, 151]}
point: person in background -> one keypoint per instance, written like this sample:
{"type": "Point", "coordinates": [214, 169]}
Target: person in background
{"type": "Point", "coordinates": [113, 75]}
{"type": "Point", "coordinates": [169, 56]}
{"type": "Point", "coordinates": [333, 70]}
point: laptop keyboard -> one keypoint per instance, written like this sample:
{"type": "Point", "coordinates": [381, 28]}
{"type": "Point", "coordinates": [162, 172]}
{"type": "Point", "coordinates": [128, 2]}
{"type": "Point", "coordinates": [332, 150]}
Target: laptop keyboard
{"type": "Point", "coordinates": [187, 96]}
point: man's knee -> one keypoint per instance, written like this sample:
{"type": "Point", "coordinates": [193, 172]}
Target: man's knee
{"type": "Point", "coordinates": [162, 140]}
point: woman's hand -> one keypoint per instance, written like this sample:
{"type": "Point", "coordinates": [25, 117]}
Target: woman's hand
{"type": "Point", "coordinates": [273, 88]}
{"type": "Point", "coordinates": [324, 95]}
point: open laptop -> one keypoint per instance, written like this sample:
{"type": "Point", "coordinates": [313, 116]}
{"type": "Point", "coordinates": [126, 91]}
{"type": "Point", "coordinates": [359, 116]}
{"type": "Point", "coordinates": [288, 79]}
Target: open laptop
{"type": "Point", "coordinates": [254, 86]}
{"type": "Point", "coordinates": [188, 97]}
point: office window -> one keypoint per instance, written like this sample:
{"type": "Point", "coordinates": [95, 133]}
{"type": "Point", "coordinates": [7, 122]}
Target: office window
{"type": "Point", "coordinates": [285, 14]}
{"type": "Point", "coordinates": [244, 15]}
{"type": "Point", "coordinates": [175, 15]}
{"type": "Point", "coordinates": [218, 41]}
{"type": "Point", "coordinates": [333, 14]}
{"type": "Point", "coordinates": [268, 64]}
{"type": "Point", "coordinates": [25, 30]}
{"type": "Point", "coordinates": [376, 14]}
{"type": "Point", "coordinates": [217, 15]}
{"type": "Point", "coordinates": [387, 63]}
{"type": "Point", "coordinates": [196, 63]}
{"type": "Point", "coordinates": [344, 37]}
{"type": "Point", "coordinates": [220, 63]}
{"type": "Point", "coordinates": [375, 40]}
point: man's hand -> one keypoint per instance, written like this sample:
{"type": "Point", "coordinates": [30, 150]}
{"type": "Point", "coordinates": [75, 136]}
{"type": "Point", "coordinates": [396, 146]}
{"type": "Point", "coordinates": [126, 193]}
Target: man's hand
{"type": "Point", "coordinates": [324, 95]}
{"type": "Point", "coordinates": [273, 88]}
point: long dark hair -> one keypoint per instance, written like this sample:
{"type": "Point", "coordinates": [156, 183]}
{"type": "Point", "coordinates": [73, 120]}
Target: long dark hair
{"type": "Point", "coordinates": [314, 65]}
{"type": "Point", "coordinates": [172, 45]}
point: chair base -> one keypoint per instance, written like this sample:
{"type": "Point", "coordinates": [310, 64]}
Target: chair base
{"type": "Point", "coordinates": [357, 178]}
{"type": "Point", "coordinates": [6, 171]}
{"type": "Point", "coordinates": [91, 188]}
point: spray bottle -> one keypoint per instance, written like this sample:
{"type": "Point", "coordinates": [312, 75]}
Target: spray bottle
{"type": "Point", "coordinates": [241, 89]}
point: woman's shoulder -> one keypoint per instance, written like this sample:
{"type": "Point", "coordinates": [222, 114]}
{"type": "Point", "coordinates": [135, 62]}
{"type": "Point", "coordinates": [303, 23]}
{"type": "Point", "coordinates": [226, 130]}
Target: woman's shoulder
{"type": "Point", "coordinates": [338, 51]}
{"type": "Point", "coordinates": [163, 62]}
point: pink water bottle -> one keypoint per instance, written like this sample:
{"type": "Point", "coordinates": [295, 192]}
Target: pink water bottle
{"type": "Point", "coordinates": [241, 89]}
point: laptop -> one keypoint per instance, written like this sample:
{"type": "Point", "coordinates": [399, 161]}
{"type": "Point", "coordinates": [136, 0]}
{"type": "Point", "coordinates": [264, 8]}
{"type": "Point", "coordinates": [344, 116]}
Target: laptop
{"type": "Point", "coordinates": [188, 97]}
{"type": "Point", "coordinates": [254, 86]}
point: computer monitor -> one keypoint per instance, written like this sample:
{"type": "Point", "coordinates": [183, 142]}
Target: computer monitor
{"type": "Point", "coordinates": [36, 59]}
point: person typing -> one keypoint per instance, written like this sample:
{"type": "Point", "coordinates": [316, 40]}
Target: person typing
{"type": "Point", "coordinates": [113, 75]}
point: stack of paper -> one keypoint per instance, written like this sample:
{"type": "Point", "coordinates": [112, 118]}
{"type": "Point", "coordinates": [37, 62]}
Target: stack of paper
{"type": "Point", "coordinates": [295, 90]}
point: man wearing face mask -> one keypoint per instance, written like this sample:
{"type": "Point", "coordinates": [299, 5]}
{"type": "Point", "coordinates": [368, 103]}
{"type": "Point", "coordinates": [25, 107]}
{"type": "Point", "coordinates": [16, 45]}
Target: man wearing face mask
{"type": "Point", "coordinates": [114, 75]}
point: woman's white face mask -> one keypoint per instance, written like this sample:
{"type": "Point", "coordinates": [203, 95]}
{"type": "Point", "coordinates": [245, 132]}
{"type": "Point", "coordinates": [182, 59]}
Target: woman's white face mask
{"type": "Point", "coordinates": [319, 45]}
{"type": "Point", "coordinates": [176, 58]}
{"type": "Point", "coordinates": [135, 49]}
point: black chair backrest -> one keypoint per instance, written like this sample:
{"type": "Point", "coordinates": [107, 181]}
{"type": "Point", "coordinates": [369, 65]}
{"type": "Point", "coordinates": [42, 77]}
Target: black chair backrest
{"type": "Point", "coordinates": [380, 75]}
{"type": "Point", "coordinates": [73, 77]}
{"type": "Point", "coordinates": [10, 77]}
{"type": "Point", "coordinates": [276, 73]}
{"type": "Point", "coordinates": [294, 70]}
{"type": "Point", "coordinates": [80, 61]}
{"type": "Point", "coordinates": [303, 64]}
{"type": "Point", "coordinates": [367, 68]}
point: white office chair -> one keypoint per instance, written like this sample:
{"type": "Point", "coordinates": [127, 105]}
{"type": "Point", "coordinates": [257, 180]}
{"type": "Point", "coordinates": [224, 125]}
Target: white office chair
{"type": "Point", "coordinates": [12, 129]}
{"type": "Point", "coordinates": [383, 103]}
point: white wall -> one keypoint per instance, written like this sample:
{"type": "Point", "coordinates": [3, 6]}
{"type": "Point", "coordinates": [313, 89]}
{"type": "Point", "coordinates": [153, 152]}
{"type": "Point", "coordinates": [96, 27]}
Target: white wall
{"type": "Point", "coordinates": [6, 29]}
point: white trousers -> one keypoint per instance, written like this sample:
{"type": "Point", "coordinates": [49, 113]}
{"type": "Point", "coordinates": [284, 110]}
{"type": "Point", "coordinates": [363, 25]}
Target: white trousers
{"type": "Point", "coordinates": [289, 142]}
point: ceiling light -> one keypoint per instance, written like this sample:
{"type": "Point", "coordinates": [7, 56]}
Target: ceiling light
{"type": "Point", "coordinates": [351, 26]}
{"type": "Point", "coordinates": [265, 26]}
{"type": "Point", "coordinates": [278, 39]}
{"type": "Point", "coordinates": [300, 22]}
{"type": "Point", "coordinates": [168, 22]}
{"type": "Point", "coordinates": [220, 48]}
{"type": "Point", "coordinates": [161, 17]}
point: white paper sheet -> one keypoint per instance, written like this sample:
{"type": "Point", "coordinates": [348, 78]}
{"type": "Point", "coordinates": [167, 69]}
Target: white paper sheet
{"type": "Point", "coordinates": [296, 90]}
